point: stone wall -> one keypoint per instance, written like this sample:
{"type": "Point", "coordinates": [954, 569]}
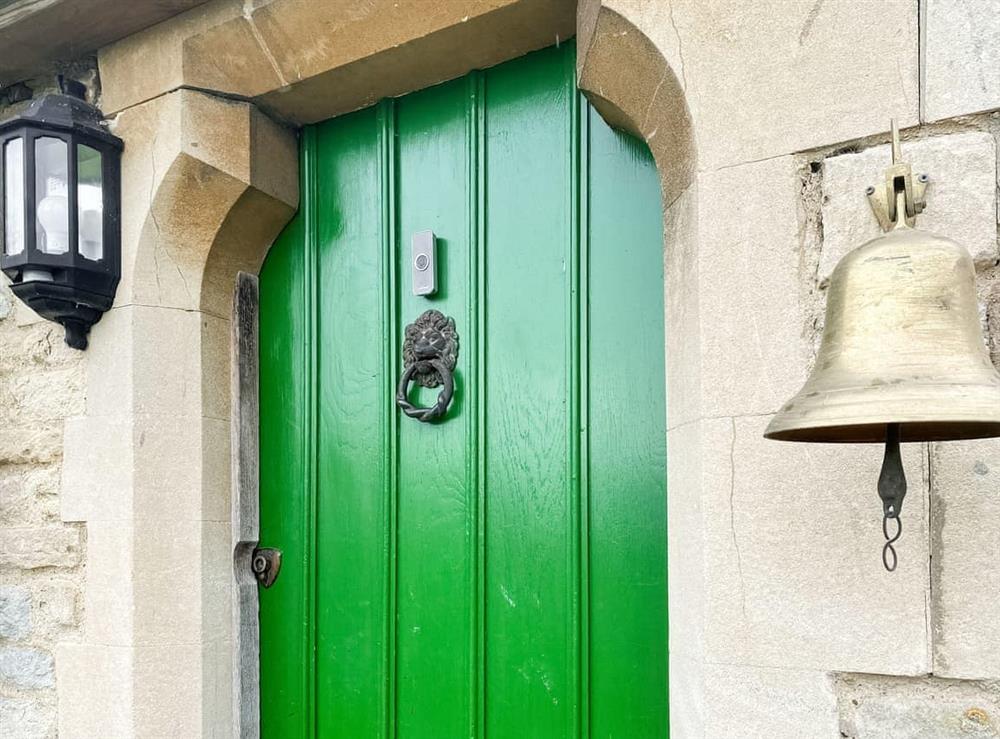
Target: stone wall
{"type": "Point", "coordinates": [41, 558]}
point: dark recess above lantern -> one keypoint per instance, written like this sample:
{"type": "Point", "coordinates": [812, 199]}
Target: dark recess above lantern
{"type": "Point", "coordinates": [60, 210]}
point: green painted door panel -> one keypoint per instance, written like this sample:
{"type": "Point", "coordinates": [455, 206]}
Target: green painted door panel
{"type": "Point", "coordinates": [501, 573]}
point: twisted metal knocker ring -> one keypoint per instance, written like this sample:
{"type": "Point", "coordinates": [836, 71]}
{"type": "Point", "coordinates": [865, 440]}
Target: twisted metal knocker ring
{"type": "Point", "coordinates": [444, 397]}
{"type": "Point", "coordinates": [430, 352]}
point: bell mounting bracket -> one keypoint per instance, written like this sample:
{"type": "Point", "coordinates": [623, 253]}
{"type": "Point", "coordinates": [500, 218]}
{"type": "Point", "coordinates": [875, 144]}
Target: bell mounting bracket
{"type": "Point", "coordinates": [901, 196]}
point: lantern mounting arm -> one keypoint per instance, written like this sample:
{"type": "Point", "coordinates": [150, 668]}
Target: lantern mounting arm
{"type": "Point", "coordinates": [900, 196]}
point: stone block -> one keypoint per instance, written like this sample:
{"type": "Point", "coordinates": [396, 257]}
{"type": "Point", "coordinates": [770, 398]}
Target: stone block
{"type": "Point", "coordinates": [55, 604]}
{"type": "Point", "coordinates": [108, 601]}
{"type": "Point", "coordinates": [109, 385]}
{"type": "Point", "coordinates": [687, 696]}
{"type": "Point", "coordinates": [749, 701]}
{"type": "Point", "coordinates": [138, 380]}
{"type": "Point", "coordinates": [961, 195]}
{"type": "Point", "coordinates": [965, 564]}
{"type": "Point", "coordinates": [32, 719]}
{"type": "Point", "coordinates": [917, 708]}
{"type": "Point", "coordinates": [41, 482]}
{"type": "Point", "coordinates": [754, 354]}
{"type": "Point", "coordinates": [26, 668]}
{"type": "Point", "coordinates": [97, 477]}
{"type": "Point", "coordinates": [167, 569]}
{"type": "Point", "coordinates": [775, 77]}
{"type": "Point", "coordinates": [685, 541]}
{"type": "Point", "coordinates": [15, 612]}
{"type": "Point", "coordinates": [167, 467]}
{"type": "Point", "coordinates": [217, 701]}
{"type": "Point", "coordinates": [30, 445]}
{"type": "Point", "coordinates": [35, 547]}
{"type": "Point", "coordinates": [961, 56]}
{"type": "Point", "coordinates": [167, 479]}
{"type": "Point", "coordinates": [148, 64]}
{"type": "Point", "coordinates": [170, 477]}
{"type": "Point", "coordinates": [793, 543]}
{"type": "Point", "coordinates": [96, 697]}
{"type": "Point", "coordinates": [38, 347]}
{"type": "Point", "coordinates": [41, 398]}
{"type": "Point", "coordinates": [682, 313]}
{"type": "Point", "coordinates": [170, 692]}
{"type": "Point", "coordinates": [217, 579]}
{"type": "Point", "coordinates": [23, 495]}
{"type": "Point", "coordinates": [6, 304]}
{"type": "Point", "coordinates": [24, 316]}
{"type": "Point", "coordinates": [214, 341]}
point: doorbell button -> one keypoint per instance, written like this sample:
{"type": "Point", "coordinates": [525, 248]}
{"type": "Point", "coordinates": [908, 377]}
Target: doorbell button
{"type": "Point", "coordinates": [424, 265]}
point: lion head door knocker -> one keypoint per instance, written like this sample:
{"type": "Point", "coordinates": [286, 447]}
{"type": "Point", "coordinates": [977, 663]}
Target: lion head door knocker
{"type": "Point", "coordinates": [430, 352]}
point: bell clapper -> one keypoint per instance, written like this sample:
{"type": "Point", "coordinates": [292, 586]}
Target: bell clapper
{"type": "Point", "coordinates": [892, 490]}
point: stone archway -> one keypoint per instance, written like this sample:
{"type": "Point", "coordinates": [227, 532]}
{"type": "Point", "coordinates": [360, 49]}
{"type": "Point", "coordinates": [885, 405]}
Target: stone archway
{"type": "Point", "coordinates": [209, 179]}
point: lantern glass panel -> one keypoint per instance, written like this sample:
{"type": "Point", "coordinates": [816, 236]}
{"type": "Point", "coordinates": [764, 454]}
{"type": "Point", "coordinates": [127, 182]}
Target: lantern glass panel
{"type": "Point", "coordinates": [51, 202]}
{"type": "Point", "coordinates": [90, 202]}
{"type": "Point", "coordinates": [13, 201]}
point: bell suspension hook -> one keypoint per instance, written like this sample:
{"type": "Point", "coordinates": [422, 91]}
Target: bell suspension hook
{"type": "Point", "coordinates": [900, 196]}
{"type": "Point", "coordinates": [892, 490]}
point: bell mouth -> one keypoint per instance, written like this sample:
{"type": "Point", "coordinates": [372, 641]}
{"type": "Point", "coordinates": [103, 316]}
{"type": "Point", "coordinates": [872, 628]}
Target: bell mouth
{"type": "Point", "coordinates": [874, 433]}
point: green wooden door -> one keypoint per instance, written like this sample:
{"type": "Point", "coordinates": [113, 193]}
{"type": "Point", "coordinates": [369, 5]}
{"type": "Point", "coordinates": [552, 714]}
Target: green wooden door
{"type": "Point", "coordinates": [501, 573]}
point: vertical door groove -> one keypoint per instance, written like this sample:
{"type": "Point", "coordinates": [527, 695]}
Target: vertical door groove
{"type": "Point", "coordinates": [311, 416]}
{"type": "Point", "coordinates": [390, 337]}
{"type": "Point", "coordinates": [476, 390]}
{"type": "Point", "coordinates": [481, 277]}
{"type": "Point", "coordinates": [581, 188]}
{"type": "Point", "coordinates": [575, 352]}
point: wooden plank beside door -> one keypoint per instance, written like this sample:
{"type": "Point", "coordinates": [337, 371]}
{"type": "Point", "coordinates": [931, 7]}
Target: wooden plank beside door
{"type": "Point", "coordinates": [245, 440]}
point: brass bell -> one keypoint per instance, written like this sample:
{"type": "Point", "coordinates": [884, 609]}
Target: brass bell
{"type": "Point", "coordinates": [902, 356]}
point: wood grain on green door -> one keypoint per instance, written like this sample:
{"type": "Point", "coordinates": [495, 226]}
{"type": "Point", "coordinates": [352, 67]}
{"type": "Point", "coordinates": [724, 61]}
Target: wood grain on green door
{"type": "Point", "coordinates": [501, 573]}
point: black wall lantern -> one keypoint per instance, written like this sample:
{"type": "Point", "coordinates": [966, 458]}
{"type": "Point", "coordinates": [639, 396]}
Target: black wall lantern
{"type": "Point", "coordinates": [60, 210]}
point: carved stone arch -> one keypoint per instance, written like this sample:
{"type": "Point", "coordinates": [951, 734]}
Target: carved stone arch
{"type": "Point", "coordinates": [222, 180]}
{"type": "Point", "coordinates": [209, 180]}
{"type": "Point", "coordinates": [635, 88]}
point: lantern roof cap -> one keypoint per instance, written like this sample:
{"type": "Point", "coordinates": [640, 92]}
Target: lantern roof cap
{"type": "Point", "coordinates": [60, 112]}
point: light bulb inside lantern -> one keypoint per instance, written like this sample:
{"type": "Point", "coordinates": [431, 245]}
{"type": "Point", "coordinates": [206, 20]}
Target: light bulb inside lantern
{"type": "Point", "coordinates": [53, 217]}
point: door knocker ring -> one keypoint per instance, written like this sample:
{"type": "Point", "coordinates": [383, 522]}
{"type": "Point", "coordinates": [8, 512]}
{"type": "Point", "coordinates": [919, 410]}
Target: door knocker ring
{"type": "Point", "coordinates": [430, 353]}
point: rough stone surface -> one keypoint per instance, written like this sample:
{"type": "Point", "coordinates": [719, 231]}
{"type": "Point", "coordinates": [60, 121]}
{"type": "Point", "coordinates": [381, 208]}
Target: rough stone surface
{"type": "Point", "coordinates": [961, 58]}
{"type": "Point", "coordinates": [15, 612]}
{"type": "Point", "coordinates": [32, 548]}
{"type": "Point", "coordinates": [965, 507]}
{"type": "Point", "coordinates": [41, 383]}
{"type": "Point", "coordinates": [881, 707]}
{"type": "Point", "coordinates": [31, 719]}
{"type": "Point", "coordinates": [961, 195]}
{"type": "Point", "coordinates": [26, 668]}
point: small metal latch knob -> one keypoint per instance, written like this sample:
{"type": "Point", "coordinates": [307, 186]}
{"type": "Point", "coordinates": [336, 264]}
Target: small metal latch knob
{"type": "Point", "coordinates": [265, 565]}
